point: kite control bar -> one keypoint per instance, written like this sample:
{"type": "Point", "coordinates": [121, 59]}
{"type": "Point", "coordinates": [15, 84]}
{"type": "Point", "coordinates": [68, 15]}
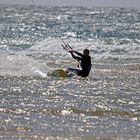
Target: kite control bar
{"type": "Point", "coordinates": [65, 46]}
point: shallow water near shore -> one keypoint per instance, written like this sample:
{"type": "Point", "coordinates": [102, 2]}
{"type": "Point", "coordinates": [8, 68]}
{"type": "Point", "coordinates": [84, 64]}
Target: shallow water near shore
{"type": "Point", "coordinates": [105, 106]}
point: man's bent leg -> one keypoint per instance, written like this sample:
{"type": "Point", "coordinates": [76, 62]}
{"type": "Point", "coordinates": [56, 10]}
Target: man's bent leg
{"type": "Point", "coordinates": [72, 70]}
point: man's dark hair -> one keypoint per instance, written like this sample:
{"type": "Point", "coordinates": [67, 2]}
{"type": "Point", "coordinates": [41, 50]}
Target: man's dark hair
{"type": "Point", "coordinates": [86, 50]}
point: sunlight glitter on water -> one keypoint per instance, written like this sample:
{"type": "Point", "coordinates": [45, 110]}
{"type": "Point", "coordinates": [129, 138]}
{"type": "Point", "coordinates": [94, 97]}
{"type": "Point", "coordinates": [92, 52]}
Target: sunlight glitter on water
{"type": "Point", "coordinates": [35, 105]}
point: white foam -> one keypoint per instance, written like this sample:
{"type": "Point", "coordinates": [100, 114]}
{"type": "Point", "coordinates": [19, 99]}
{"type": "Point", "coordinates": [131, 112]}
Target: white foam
{"type": "Point", "coordinates": [21, 65]}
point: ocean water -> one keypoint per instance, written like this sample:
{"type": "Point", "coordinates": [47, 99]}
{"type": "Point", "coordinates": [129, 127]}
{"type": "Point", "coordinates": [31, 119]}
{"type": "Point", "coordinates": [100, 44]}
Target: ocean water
{"type": "Point", "coordinates": [35, 106]}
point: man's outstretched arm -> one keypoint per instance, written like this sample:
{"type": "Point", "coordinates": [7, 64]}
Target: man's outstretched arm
{"type": "Point", "coordinates": [75, 57]}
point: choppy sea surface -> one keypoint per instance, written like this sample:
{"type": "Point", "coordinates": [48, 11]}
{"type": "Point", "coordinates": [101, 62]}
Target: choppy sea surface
{"type": "Point", "coordinates": [33, 105]}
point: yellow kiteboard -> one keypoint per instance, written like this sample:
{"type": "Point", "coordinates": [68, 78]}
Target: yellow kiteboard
{"type": "Point", "coordinates": [58, 73]}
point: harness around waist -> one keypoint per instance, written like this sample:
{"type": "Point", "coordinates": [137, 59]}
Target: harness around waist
{"type": "Point", "coordinates": [86, 68]}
